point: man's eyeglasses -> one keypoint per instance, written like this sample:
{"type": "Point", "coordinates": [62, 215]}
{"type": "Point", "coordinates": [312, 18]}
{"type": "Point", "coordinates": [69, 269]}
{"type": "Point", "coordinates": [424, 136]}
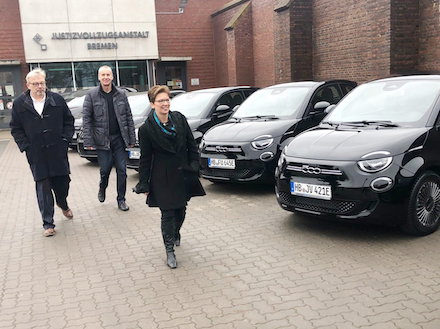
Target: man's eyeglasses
{"type": "Point", "coordinates": [36, 84]}
{"type": "Point", "coordinates": [163, 100]}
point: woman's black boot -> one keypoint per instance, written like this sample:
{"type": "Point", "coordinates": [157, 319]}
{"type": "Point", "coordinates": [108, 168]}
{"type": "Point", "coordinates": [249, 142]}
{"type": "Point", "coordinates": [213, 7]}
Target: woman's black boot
{"type": "Point", "coordinates": [171, 259]}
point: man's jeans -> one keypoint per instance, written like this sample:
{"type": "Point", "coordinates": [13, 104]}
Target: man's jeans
{"type": "Point", "coordinates": [46, 188]}
{"type": "Point", "coordinates": [117, 156]}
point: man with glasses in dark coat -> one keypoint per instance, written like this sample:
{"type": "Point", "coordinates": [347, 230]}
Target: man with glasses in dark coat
{"type": "Point", "coordinates": [42, 126]}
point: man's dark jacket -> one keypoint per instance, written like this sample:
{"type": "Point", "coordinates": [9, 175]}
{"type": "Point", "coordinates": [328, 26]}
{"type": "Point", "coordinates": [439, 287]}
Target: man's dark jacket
{"type": "Point", "coordinates": [45, 138]}
{"type": "Point", "coordinates": [169, 172]}
{"type": "Point", "coordinates": [96, 119]}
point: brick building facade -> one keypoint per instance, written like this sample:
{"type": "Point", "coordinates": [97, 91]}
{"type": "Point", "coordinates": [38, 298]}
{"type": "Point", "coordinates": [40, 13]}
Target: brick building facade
{"type": "Point", "coordinates": [12, 51]}
{"type": "Point", "coordinates": [316, 40]}
{"type": "Point", "coordinates": [263, 42]}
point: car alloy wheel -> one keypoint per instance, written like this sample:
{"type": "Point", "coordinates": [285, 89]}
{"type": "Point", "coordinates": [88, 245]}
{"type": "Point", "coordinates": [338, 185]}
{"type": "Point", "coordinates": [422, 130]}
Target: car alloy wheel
{"type": "Point", "coordinates": [424, 205]}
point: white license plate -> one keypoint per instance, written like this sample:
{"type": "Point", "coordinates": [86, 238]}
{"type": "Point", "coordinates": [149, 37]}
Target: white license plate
{"type": "Point", "coordinates": [311, 190]}
{"type": "Point", "coordinates": [134, 154]}
{"type": "Point", "coordinates": [221, 163]}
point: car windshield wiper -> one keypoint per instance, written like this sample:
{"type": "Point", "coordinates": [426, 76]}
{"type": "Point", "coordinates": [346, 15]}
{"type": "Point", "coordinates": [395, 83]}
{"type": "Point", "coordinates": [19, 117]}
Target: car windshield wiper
{"type": "Point", "coordinates": [333, 124]}
{"type": "Point", "coordinates": [370, 122]}
{"type": "Point", "coordinates": [272, 117]}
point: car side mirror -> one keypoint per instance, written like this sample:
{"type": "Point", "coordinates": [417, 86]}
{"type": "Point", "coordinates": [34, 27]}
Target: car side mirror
{"type": "Point", "coordinates": [320, 107]}
{"type": "Point", "coordinates": [222, 110]}
{"type": "Point", "coordinates": [329, 108]}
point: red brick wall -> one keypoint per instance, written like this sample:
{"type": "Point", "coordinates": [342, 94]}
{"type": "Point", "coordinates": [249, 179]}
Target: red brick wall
{"type": "Point", "coordinates": [223, 42]}
{"type": "Point", "coordinates": [263, 40]}
{"type": "Point", "coordinates": [429, 45]}
{"type": "Point", "coordinates": [11, 35]}
{"type": "Point", "coordinates": [293, 42]}
{"type": "Point", "coordinates": [405, 20]}
{"type": "Point", "coordinates": [244, 49]}
{"type": "Point", "coordinates": [234, 46]}
{"type": "Point", "coordinates": [353, 43]}
{"type": "Point", "coordinates": [282, 46]}
{"type": "Point", "coordinates": [359, 40]}
{"type": "Point", "coordinates": [189, 35]}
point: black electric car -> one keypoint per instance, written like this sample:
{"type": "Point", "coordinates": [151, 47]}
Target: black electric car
{"type": "Point", "coordinates": [246, 147]}
{"type": "Point", "coordinates": [203, 109]}
{"type": "Point", "coordinates": [374, 157]}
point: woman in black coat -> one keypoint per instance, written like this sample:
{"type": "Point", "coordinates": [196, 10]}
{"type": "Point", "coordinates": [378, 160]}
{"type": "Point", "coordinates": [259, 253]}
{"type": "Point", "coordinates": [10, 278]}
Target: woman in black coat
{"type": "Point", "coordinates": [168, 167]}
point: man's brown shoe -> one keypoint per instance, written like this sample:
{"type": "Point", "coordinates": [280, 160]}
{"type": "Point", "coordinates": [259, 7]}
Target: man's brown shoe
{"type": "Point", "coordinates": [68, 213]}
{"type": "Point", "coordinates": [49, 232]}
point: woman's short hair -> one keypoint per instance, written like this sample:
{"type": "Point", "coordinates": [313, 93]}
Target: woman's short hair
{"type": "Point", "coordinates": [155, 90]}
{"type": "Point", "coordinates": [35, 72]}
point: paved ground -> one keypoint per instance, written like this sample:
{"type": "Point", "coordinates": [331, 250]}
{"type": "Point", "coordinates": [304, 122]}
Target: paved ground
{"type": "Point", "coordinates": [243, 263]}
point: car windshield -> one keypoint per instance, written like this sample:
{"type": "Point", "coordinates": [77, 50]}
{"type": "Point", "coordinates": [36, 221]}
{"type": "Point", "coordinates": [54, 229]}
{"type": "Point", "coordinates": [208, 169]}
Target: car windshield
{"type": "Point", "coordinates": [76, 102]}
{"type": "Point", "coordinates": [406, 103]}
{"type": "Point", "coordinates": [273, 102]}
{"type": "Point", "coordinates": [190, 104]}
{"type": "Point", "coordinates": [139, 104]}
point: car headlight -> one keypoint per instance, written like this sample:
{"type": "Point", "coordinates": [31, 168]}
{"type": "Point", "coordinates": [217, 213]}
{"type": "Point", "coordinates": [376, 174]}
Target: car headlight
{"type": "Point", "coordinates": [262, 142]}
{"type": "Point", "coordinates": [375, 165]}
{"type": "Point", "coordinates": [281, 159]}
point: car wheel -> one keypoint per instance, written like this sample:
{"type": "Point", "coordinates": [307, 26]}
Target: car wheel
{"type": "Point", "coordinates": [423, 216]}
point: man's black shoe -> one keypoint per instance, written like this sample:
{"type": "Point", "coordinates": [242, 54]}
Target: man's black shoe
{"type": "Point", "coordinates": [101, 195]}
{"type": "Point", "coordinates": [123, 206]}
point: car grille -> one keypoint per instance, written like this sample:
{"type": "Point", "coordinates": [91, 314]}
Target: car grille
{"type": "Point", "coordinates": [132, 163]}
{"type": "Point", "coordinates": [236, 173]}
{"type": "Point", "coordinates": [215, 149]}
{"type": "Point", "coordinates": [313, 169]}
{"type": "Point", "coordinates": [325, 206]}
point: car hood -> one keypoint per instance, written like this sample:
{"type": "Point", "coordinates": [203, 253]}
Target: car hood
{"type": "Point", "coordinates": [247, 130]}
{"type": "Point", "coordinates": [194, 123]}
{"type": "Point", "coordinates": [78, 122]}
{"type": "Point", "coordinates": [351, 145]}
{"type": "Point", "coordinates": [138, 120]}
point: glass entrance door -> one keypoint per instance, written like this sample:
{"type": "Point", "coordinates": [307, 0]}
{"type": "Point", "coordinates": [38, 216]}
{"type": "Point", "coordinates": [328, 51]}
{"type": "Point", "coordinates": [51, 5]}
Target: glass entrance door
{"type": "Point", "coordinates": [10, 88]}
{"type": "Point", "coordinates": [172, 74]}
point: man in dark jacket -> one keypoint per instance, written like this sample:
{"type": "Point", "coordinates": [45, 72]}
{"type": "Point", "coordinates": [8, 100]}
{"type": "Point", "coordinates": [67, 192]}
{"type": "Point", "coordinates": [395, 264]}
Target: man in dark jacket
{"type": "Point", "coordinates": [108, 126]}
{"type": "Point", "coordinates": [42, 125]}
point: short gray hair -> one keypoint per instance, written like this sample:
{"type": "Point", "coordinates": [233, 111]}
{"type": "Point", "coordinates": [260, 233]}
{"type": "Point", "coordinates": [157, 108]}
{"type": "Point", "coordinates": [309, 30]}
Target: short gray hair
{"type": "Point", "coordinates": [105, 67]}
{"type": "Point", "coordinates": [35, 72]}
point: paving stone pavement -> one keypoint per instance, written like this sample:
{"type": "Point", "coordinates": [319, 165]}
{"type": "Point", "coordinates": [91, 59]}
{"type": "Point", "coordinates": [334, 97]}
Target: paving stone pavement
{"type": "Point", "coordinates": [243, 263]}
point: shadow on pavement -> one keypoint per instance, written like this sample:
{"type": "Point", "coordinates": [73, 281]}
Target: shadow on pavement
{"type": "Point", "coordinates": [346, 230]}
{"type": "Point", "coordinates": [245, 189]}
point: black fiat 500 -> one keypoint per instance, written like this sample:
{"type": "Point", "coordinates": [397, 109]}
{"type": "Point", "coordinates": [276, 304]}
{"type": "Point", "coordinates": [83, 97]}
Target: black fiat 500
{"type": "Point", "coordinates": [375, 156]}
{"type": "Point", "coordinates": [247, 146]}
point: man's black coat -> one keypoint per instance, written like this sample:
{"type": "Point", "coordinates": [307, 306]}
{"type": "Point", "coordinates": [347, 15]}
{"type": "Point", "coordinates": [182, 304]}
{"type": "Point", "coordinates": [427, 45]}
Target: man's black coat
{"type": "Point", "coordinates": [45, 138]}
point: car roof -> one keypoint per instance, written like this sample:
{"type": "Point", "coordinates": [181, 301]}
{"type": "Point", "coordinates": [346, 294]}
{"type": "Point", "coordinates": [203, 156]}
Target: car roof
{"type": "Point", "coordinates": [410, 77]}
{"type": "Point", "coordinates": [137, 93]}
{"type": "Point", "coordinates": [310, 83]}
{"type": "Point", "coordinates": [220, 89]}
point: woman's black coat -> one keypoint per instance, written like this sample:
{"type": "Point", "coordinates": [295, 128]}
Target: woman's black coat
{"type": "Point", "coordinates": [45, 138]}
{"type": "Point", "coordinates": [168, 172]}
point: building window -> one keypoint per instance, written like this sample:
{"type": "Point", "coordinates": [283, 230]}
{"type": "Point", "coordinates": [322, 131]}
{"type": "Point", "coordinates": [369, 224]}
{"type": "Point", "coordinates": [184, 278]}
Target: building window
{"type": "Point", "coordinates": [58, 76]}
{"type": "Point", "coordinates": [86, 73]}
{"type": "Point", "coordinates": [133, 74]}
